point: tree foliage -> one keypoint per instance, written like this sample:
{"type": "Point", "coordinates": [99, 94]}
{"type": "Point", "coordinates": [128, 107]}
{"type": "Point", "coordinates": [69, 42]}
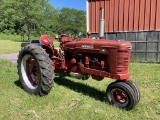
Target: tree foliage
{"type": "Point", "coordinates": [71, 21]}
{"type": "Point", "coordinates": [35, 17]}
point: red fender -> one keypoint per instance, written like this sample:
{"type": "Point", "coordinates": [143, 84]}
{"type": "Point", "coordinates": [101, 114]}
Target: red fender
{"type": "Point", "coordinates": [46, 40]}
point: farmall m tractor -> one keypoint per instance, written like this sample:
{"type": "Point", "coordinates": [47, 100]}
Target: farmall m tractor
{"type": "Point", "coordinates": [98, 58]}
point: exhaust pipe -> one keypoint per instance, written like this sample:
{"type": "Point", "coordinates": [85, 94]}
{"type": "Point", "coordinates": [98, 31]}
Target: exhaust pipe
{"type": "Point", "coordinates": [101, 23]}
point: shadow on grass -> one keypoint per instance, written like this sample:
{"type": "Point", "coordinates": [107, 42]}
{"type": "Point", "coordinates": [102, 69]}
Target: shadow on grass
{"type": "Point", "coordinates": [80, 88]}
{"type": "Point", "coordinates": [18, 84]}
{"type": "Point", "coordinates": [75, 86]}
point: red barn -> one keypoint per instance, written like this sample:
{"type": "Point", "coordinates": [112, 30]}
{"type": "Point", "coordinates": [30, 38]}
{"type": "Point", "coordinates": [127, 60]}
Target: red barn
{"type": "Point", "coordinates": [137, 21]}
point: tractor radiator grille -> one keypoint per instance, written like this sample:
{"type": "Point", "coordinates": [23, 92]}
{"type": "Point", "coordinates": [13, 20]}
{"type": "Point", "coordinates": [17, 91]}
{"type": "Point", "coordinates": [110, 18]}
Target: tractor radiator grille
{"type": "Point", "coordinates": [123, 59]}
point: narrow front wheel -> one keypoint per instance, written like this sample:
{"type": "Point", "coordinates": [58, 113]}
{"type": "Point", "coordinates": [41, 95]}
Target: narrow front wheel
{"type": "Point", "coordinates": [121, 95]}
{"type": "Point", "coordinates": [135, 89]}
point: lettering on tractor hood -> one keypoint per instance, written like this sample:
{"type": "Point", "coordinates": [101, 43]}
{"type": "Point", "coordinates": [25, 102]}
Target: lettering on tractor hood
{"type": "Point", "coordinates": [87, 46]}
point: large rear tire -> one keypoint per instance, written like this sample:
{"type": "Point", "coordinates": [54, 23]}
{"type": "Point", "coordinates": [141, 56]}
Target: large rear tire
{"type": "Point", "coordinates": [35, 70]}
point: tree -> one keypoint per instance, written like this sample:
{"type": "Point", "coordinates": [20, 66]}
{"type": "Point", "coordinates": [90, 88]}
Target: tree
{"type": "Point", "coordinates": [26, 17]}
{"type": "Point", "coordinates": [48, 25]}
{"type": "Point", "coordinates": [31, 14]}
{"type": "Point", "coordinates": [71, 21]}
{"type": "Point", "coordinates": [35, 17]}
{"type": "Point", "coordinates": [8, 16]}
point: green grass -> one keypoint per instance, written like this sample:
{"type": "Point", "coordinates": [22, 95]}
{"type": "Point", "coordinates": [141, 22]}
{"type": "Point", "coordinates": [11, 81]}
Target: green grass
{"type": "Point", "coordinates": [8, 46]}
{"type": "Point", "coordinates": [15, 37]}
{"type": "Point", "coordinates": [72, 99]}
{"type": "Point", "coordinates": [56, 43]}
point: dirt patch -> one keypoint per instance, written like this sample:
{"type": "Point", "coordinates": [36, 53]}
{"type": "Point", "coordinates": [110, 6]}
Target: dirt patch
{"type": "Point", "coordinates": [11, 57]}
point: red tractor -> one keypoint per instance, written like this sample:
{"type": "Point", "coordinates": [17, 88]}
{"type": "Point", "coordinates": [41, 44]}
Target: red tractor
{"type": "Point", "coordinates": [98, 58]}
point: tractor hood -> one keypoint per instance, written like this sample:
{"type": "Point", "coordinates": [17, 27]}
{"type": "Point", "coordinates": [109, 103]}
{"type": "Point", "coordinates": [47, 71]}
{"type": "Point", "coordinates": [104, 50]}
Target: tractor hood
{"type": "Point", "coordinates": [97, 45]}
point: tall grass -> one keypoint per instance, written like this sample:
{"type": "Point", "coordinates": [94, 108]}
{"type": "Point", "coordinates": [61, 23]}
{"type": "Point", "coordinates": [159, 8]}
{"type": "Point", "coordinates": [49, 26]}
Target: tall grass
{"type": "Point", "coordinates": [72, 99]}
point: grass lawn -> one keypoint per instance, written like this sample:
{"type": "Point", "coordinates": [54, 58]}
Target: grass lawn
{"type": "Point", "coordinates": [7, 46]}
{"type": "Point", "coordinates": [72, 99]}
{"type": "Point", "coordinates": [17, 38]}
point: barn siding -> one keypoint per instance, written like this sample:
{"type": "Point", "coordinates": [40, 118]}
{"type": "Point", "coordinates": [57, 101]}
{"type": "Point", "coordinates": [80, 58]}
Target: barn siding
{"type": "Point", "coordinates": [125, 15]}
{"type": "Point", "coordinates": [158, 15]}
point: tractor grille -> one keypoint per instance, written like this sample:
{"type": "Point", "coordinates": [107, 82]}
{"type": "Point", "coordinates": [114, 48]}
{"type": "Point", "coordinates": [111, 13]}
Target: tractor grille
{"type": "Point", "coordinates": [123, 59]}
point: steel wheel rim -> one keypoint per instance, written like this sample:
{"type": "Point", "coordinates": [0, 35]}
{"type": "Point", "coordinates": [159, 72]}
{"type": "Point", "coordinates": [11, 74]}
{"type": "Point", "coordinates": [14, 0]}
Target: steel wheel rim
{"type": "Point", "coordinates": [30, 71]}
{"type": "Point", "coordinates": [119, 97]}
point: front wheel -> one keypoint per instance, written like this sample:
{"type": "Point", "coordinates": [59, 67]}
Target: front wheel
{"type": "Point", "coordinates": [35, 70]}
{"type": "Point", "coordinates": [135, 89]}
{"type": "Point", "coordinates": [121, 95]}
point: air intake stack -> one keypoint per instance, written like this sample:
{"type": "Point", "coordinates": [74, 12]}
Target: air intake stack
{"type": "Point", "coordinates": [101, 23]}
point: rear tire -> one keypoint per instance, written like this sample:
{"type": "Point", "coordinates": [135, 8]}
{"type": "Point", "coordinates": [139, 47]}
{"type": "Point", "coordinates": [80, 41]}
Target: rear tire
{"type": "Point", "coordinates": [35, 70]}
{"type": "Point", "coordinates": [121, 95]}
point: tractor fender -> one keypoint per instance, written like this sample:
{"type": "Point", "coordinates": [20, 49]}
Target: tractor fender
{"type": "Point", "coordinates": [46, 40]}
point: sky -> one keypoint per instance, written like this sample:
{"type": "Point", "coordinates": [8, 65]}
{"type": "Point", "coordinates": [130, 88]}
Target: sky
{"type": "Point", "coordinates": [76, 4]}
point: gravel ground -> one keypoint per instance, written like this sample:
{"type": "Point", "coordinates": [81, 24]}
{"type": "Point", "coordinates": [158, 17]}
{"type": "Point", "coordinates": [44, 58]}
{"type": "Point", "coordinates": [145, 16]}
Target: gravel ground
{"type": "Point", "coordinates": [11, 57]}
